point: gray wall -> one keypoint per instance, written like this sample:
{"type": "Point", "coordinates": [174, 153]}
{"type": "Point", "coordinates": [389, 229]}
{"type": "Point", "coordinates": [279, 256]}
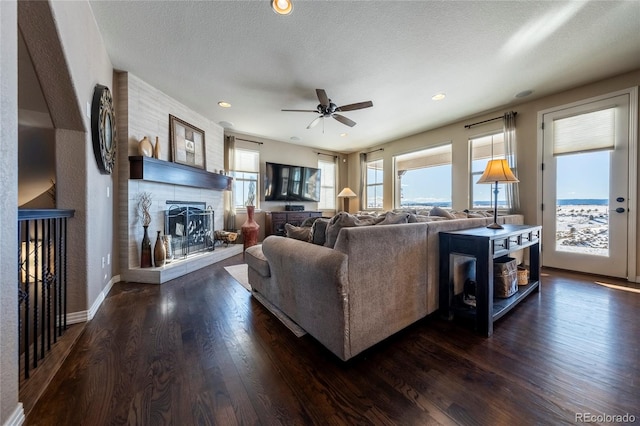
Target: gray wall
{"type": "Point", "coordinates": [9, 407]}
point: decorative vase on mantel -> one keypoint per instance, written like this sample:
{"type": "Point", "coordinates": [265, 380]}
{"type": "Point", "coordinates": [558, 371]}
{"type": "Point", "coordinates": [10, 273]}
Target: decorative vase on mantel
{"type": "Point", "coordinates": [156, 149]}
{"type": "Point", "coordinates": [250, 229]}
{"type": "Point", "coordinates": [159, 252]}
{"type": "Point", "coordinates": [145, 147]}
{"type": "Point", "coordinates": [145, 250]}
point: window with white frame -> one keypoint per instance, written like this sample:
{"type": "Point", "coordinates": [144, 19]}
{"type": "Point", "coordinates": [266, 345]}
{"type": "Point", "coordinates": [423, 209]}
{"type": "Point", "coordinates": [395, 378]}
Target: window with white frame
{"type": "Point", "coordinates": [246, 169]}
{"type": "Point", "coordinates": [483, 149]}
{"type": "Point", "coordinates": [327, 184]}
{"type": "Point", "coordinates": [424, 178]}
{"type": "Point", "coordinates": [374, 184]}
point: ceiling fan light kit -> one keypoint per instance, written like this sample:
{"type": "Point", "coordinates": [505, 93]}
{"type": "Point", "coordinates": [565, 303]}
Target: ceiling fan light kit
{"type": "Point", "coordinates": [326, 108]}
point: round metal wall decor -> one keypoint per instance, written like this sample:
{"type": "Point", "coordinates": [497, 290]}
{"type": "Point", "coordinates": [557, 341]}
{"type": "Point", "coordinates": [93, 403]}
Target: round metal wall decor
{"type": "Point", "coordinates": [103, 129]}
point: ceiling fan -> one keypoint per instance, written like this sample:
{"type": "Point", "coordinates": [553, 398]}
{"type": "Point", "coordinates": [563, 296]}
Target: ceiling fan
{"type": "Point", "coordinates": [326, 108]}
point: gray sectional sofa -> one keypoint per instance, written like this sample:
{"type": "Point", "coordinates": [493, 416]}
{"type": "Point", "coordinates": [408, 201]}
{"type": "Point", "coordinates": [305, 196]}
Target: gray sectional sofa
{"type": "Point", "coordinates": [373, 282]}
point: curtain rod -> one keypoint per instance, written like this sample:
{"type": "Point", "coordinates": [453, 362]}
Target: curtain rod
{"type": "Point", "coordinates": [328, 155]}
{"type": "Point", "coordinates": [468, 126]}
{"type": "Point", "coordinates": [375, 150]}
{"type": "Point", "coordinates": [247, 140]}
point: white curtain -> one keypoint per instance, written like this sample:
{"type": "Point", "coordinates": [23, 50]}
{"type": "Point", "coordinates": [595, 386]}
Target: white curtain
{"type": "Point", "coordinates": [512, 190]}
{"type": "Point", "coordinates": [363, 180]}
{"type": "Point", "coordinates": [229, 205]}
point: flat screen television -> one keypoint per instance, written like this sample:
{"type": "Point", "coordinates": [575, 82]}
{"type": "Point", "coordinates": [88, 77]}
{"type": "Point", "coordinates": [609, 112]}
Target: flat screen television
{"type": "Point", "coordinates": [283, 182]}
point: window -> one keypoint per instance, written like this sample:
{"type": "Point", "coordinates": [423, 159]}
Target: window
{"type": "Point", "coordinates": [424, 177]}
{"type": "Point", "coordinates": [484, 149]}
{"type": "Point", "coordinates": [245, 172]}
{"type": "Point", "coordinates": [327, 185]}
{"type": "Point", "coordinates": [374, 184]}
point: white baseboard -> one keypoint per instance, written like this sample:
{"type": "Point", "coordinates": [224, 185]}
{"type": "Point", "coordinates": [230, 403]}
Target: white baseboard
{"type": "Point", "coordinates": [84, 316]}
{"type": "Point", "coordinates": [17, 417]}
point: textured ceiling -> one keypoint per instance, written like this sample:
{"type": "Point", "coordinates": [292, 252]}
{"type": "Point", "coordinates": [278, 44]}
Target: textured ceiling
{"type": "Point", "coordinates": [397, 54]}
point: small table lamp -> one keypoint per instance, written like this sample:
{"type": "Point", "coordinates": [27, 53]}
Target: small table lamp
{"type": "Point", "coordinates": [346, 194]}
{"type": "Point", "coordinates": [497, 171]}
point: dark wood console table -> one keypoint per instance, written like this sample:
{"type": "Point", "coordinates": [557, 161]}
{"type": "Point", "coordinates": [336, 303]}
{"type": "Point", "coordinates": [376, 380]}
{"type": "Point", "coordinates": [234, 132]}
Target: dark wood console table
{"type": "Point", "coordinates": [275, 220]}
{"type": "Point", "coordinates": [486, 245]}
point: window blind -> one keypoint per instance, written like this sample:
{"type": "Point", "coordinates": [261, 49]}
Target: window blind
{"type": "Point", "coordinates": [593, 131]}
{"type": "Point", "coordinates": [247, 160]}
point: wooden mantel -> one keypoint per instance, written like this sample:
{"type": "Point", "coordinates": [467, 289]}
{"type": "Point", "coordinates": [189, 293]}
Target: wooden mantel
{"type": "Point", "coordinates": [154, 170]}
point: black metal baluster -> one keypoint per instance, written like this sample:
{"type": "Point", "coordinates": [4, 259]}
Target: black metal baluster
{"type": "Point", "coordinates": [43, 291]}
{"type": "Point", "coordinates": [56, 305]}
{"type": "Point", "coordinates": [64, 261]}
{"type": "Point", "coordinates": [48, 281]}
{"type": "Point", "coordinates": [35, 293]}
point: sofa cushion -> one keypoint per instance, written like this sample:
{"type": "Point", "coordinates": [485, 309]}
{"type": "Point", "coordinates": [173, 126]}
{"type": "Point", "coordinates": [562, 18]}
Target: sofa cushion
{"type": "Point", "coordinates": [440, 212]}
{"type": "Point", "coordinates": [344, 220]}
{"type": "Point", "coordinates": [298, 232]}
{"type": "Point", "coordinates": [319, 231]}
{"type": "Point", "coordinates": [393, 218]}
{"type": "Point", "coordinates": [254, 257]}
{"type": "Point", "coordinates": [421, 218]}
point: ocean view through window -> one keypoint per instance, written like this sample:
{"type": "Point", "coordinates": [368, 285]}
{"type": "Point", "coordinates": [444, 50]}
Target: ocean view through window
{"type": "Point", "coordinates": [582, 202]}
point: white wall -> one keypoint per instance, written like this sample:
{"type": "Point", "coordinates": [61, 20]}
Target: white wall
{"type": "Point", "coordinates": [526, 133]}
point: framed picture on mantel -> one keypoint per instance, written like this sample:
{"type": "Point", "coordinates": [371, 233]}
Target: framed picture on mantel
{"type": "Point", "coordinates": [187, 143]}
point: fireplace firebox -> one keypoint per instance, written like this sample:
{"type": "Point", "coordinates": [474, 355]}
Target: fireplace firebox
{"type": "Point", "coordinates": [190, 224]}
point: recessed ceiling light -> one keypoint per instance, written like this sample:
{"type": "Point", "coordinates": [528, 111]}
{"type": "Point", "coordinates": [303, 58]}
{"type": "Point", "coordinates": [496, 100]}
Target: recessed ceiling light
{"type": "Point", "coordinates": [226, 124]}
{"type": "Point", "coordinates": [282, 7]}
{"type": "Point", "coordinates": [224, 104]}
{"type": "Point", "coordinates": [524, 93]}
{"type": "Point", "coordinates": [438, 96]}
{"type": "Point", "coordinates": [344, 135]}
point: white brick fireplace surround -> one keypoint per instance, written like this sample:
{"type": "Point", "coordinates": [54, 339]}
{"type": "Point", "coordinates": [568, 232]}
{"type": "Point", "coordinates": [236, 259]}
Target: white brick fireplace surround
{"type": "Point", "coordinates": [142, 110]}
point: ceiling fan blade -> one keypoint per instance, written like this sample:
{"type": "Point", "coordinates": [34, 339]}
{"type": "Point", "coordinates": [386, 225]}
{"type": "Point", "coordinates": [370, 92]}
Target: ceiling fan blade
{"type": "Point", "coordinates": [344, 120]}
{"type": "Point", "coordinates": [299, 110]}
{"type": "Point", "coordinates": [314, 122]}
{"type": "Point", "coordinates": [322, 97]}
{"type": "Point", "coordinates": [355, 106]}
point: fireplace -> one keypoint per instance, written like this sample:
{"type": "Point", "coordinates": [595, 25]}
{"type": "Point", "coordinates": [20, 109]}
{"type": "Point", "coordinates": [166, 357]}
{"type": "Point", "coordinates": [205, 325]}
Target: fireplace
{"type": "Point", "coordinates": [190, 225]}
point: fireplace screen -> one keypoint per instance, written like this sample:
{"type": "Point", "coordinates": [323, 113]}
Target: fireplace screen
{"type": "Point", "coordinates": [190, 225]}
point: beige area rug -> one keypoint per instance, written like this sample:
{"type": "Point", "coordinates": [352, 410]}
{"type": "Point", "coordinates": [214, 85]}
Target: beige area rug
{"type": "Point", "coordinates": [240, 274]}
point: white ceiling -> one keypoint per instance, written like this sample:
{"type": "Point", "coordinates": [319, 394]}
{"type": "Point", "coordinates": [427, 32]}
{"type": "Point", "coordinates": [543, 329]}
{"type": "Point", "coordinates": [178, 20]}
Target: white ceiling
{"type": "Point", "coordinates": [397, 54]}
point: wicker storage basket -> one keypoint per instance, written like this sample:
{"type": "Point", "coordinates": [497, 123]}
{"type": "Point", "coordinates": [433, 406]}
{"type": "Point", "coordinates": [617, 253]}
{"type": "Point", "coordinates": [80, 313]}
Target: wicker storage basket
{"type": "Point", "coordinates": [523, 276]}
{"type": "Point", "coordinates": [505, 277]}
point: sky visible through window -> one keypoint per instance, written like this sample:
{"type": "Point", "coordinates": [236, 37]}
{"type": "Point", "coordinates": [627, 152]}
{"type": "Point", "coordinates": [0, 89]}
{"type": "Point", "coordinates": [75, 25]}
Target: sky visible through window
{"type": "Point", "coordinates": [581, 178]}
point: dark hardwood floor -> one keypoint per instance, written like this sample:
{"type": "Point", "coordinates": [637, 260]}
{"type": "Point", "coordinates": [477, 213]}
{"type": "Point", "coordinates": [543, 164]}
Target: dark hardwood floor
{"type": "Point", "coordinates": [201, 350]}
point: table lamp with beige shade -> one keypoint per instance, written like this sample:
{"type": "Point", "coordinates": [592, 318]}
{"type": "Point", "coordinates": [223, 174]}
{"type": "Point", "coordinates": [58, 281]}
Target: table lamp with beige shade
{"type": "Point", "coordinates": [345, 194]}
{"type": "Point", "coordinates": [497, 171]}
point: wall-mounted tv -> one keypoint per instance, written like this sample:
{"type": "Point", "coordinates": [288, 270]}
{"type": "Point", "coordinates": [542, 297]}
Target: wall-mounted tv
{"type": "Point", "coordinates": [283, 182]}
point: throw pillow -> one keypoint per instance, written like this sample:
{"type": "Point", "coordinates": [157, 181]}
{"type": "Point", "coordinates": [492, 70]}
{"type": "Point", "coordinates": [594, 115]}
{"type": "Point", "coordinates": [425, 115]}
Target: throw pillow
{"type": "Point", "coordinates": [308, 221]}
{"type": "Point", "coordinates": [344, 220]}
{"type": "Point", "coordinates": [393, 218]}
{"type": "Point", "coordinates": [319, 230]}
{"type": "Point", "coordinates": [438, 211]}
{"type": "Point", "coordinates": [297, 232]}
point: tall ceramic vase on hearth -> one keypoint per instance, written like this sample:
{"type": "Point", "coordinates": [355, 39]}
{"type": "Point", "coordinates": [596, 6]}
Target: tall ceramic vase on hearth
{"type": "Point", "coordinates": [250, 229]}
{"type": "Point", "coordinates": [159, 252]}
{"type": "Point", "coordinates": [145, 250]}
